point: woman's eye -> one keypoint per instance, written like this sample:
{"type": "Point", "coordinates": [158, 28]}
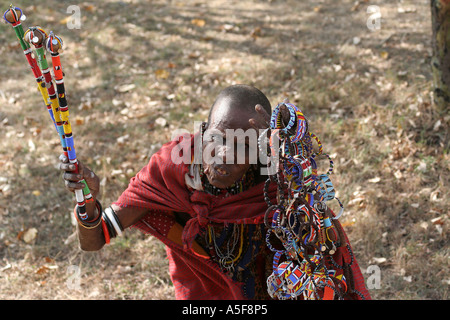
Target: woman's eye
{"type": "Point", "coordinates": [214, 138]}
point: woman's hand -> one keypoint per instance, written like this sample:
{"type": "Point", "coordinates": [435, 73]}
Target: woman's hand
{"type": "Point", "coordinates": [262, 120]}
{"type": "Point", "coordinates": [72, 179]}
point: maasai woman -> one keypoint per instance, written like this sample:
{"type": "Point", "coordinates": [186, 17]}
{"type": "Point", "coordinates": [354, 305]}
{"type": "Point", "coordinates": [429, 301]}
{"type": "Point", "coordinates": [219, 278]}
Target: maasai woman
{"type": "Point", "coordinates": [210, 214]}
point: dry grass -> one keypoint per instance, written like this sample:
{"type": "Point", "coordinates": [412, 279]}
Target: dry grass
{"type": "Point", "coordinates": [367, 95]}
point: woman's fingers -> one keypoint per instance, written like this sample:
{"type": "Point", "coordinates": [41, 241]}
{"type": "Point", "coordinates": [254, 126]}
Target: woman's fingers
{"type": "Point", "coordinates": [72, 186]}
{"type": "Point", "coordinates": [262, 120]}
{"type": "Point", "coordinates": [71, 179]}
{"type": "Point", "coordinates": [67, 167]}
{"type": "Point", "coordinates": [263, 113]}
{"type": "Point", "coordinates": [72, 176]}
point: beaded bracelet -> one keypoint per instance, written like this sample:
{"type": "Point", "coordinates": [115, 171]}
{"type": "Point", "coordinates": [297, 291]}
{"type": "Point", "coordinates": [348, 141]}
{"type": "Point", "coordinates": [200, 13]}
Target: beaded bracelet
{"type": "Point", "coordinates": [324, 187]}
{"type": "Point", "coordinates": [296, 120]}
{"type": "Point", "coordinates": [292, 220]}
{"type": "Point", "coordinates": [105, 231]}
{"type": "Point", "coordinates": [330, 169]}
{"type": "Point", "coordinates": [294, 173]}
{"type": "Point", "coordinates": [111, 231]}
{"type": "Point", "coordinates": [276, 260]}
{"type": "Point", "coordinates": [273, 208]}
{"type": "Point", "coordinates": [319, 143]}
{"type": "Point", "coordinates": [112, 217]}
{"type": "Point", "coordinates": [287, 241]}
{"type": "Point", "coordinates": [302, 124]}
{"type": "Point", "coordinates": [276, 119]}
{"type": "Point", "coordinates": [341, 211]}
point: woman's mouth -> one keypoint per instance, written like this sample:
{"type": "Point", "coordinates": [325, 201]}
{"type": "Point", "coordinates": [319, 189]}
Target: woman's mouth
{"type": "Point", "coordinates": [220, 170]}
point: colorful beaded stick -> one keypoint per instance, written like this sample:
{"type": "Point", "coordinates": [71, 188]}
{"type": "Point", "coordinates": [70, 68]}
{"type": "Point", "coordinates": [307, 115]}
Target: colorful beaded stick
{"type": "Point", "coordinates": [300, 227]}
{"type": "Point", "coordinates": [14, 16]}
{"type": "Point", "coordinates": [54, 45]}
{"type": "Point", "coordinates": [55, 101]}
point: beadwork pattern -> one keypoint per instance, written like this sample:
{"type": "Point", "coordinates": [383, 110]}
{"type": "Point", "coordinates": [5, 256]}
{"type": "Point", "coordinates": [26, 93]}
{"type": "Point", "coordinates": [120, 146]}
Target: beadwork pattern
{"type": "Point", "coordinates": [300, 229]}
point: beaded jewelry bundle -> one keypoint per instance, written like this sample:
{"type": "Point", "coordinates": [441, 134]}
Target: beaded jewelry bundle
{"type": "Point", "coordinates": [300, 227]}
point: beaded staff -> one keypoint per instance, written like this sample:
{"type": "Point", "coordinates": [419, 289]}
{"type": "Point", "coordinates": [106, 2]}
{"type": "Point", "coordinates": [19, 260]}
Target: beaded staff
{"type": "Point", "coordinates": [60, 116]}
{"type": "Point", "coordinates": [54, 45]}
{"type": "Point", "coordinates": [300, 220]}
{"type": "Point", "coordinates": [14, 16]}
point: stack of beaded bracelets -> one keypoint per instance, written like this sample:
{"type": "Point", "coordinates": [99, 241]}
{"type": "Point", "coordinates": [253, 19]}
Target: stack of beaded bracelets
{"type": "Point", "coordinates": [108, 219]}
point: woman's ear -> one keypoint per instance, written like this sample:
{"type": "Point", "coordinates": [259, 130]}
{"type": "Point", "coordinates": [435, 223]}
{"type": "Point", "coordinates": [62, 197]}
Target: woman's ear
{"type": "Point", "coordinates": [203, 127]}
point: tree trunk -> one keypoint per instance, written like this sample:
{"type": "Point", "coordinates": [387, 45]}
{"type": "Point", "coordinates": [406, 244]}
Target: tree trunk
{"type": "Point", "coordinates": [440, 63]}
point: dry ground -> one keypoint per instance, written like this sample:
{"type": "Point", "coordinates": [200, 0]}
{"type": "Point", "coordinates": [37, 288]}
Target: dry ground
{"type": "Point", "coordinates": [137, 70]}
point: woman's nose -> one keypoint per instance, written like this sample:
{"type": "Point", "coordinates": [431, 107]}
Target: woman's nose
{"type": "Point", "coordinates": [225, 153]}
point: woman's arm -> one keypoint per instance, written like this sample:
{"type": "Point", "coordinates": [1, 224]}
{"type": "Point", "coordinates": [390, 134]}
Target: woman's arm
{"type": "Point", "coordinates": [91, 237]}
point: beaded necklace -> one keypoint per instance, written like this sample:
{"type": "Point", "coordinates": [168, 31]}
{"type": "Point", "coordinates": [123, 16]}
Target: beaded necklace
{"type": "Point", "coordinates": [248, 180]}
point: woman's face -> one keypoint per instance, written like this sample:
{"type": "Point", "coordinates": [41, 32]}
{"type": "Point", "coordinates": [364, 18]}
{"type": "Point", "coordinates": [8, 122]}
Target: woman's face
{"type": "Point", "coordinates": [228, 145]}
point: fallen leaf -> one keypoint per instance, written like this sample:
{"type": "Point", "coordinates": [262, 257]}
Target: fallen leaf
{"type": "Point", "coordinates": [162, 74]}
{"type": "Point", "coordinates": [356, 200]}
{"type": "Point", "coordinates": [227, 27]}
{"type": "Point", "coordinates": [8, 266]}
{"type": "Point", "coordinates": [198, 22]}
{"type": "Point", "coordinates": [89, 7]}
{"type": "Point", "coordinates": [406, 10]}
{"type": "Point", "coordinates": [116, 172]}
{"type": "Point", "coordinates": [379, 260]}
{"type": "Point", "coordinates": [29, 235]}
{"type": "Point", "coordinates": [384, 55]}
{"type": "Point", "coordinates": [437, 125]}
{"type": "Point", "coordinates": [424, 225]}
{"type": "Point", "coordinates": [42, 270]}
{"type": "Point", "coordinates": [65, 20]}
{"type": "Point", "coordinates": [31, 146]}
{"type": "Point", "coordinates": [126, 87]}
{"type": "Point", "coordinates": [49, 260]}
{"type": "Point", "coordinates": [121, 140]}
{"type": "Point", "coordinates": [422, 167]}
{"type": "Point", "coordinates": [79, 121]}
{"type": "Point", "coordinates": [375, 180]}
{"type": "Point", "coordinates": [256, 32]}
{"type": "Point", "coordinates": [438, 220]}
{"type": "Point", "coordinates": [408, 278]}
{"type": "Point", "coordinates": [348, 224]}
{"type": "Point", "coordinates": [161, 122]}
{"type": "Point", "coordinates": [355, 6]}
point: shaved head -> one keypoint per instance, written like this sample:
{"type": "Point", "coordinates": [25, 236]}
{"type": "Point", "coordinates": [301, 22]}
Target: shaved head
{"type": "Point", "coordinates": [241, 97]}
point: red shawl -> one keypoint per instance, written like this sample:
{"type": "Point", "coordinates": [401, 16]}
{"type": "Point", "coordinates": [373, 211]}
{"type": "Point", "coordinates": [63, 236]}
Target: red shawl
{"type": "Point", "coordinates": [160, 186]}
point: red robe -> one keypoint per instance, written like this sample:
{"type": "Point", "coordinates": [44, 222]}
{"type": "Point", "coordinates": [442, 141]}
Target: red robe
{"type": "Point", "coordinates": [160, 186]}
